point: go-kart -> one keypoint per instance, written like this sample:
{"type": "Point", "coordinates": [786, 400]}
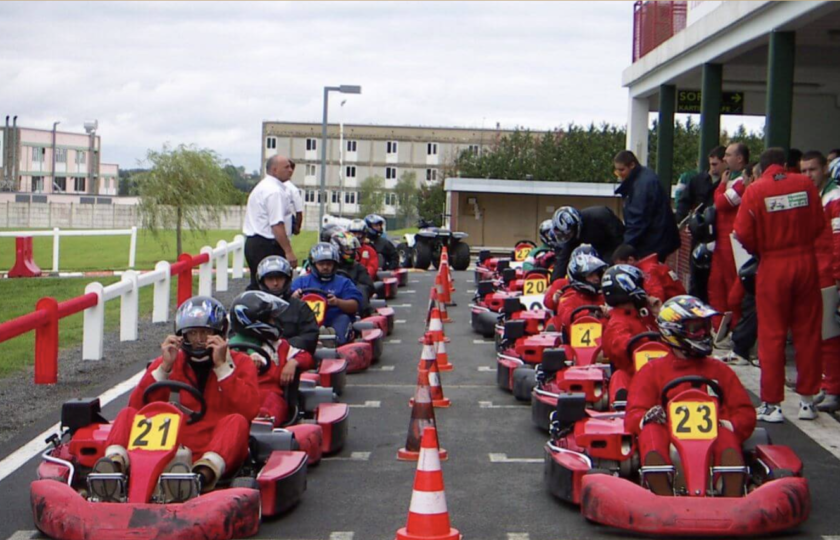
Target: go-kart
{"type": "Point", "coordinates": [387, 282]}
{"type": "Point", "coordinates": [271, 481]}
{"type": "Point", "coordinates": [519, 355]}
{"type": "Point", "coordinates": [368, 335]}
{"type": "Point", "coordinates": [775, 496]}
{"type": "Point", "coordinates": [486, 307]}
{"type": "Point", "coordinates": [424, 247]}
{"type": "Point", "coordinates": [534, 320]}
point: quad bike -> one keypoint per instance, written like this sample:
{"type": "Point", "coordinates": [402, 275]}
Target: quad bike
{"type": "Point", "coordinates": [424, 247]}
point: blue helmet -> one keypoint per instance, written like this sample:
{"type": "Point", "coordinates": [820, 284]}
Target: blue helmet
{"type": "Point", "coordinates": [256, 314]}
{"type": "Point", "coordinates": [370, 221]}
{"type": "Point", "coordinates": [623, 283]}
{"type": "Point", "coordinates": [274, 265]}
{"type": "Point", "coordinates": [566, 222]}
{"type": "Point", "coordinates": [200, 312]}
{"type": "Point", "coordinates": [320, 252]}
{"type": "Point", "coordinates": [581, 265]}
{"type": "Point", "coordinates": [546, 233]}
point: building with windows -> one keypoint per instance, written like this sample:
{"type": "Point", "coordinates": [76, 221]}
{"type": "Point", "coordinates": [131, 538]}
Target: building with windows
{"type": "Point", "coordinates": [357, 152]}
{"type": "Point", "coordinates": [43, 161]}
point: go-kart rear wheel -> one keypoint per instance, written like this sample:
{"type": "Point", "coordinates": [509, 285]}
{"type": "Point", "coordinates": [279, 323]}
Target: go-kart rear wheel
{"type": "Point", "coordinates": [524, 381]}
{"type": "Point", "coordinates": [460, 256]}
{"type": "Point", "coordinates": [422, 255]}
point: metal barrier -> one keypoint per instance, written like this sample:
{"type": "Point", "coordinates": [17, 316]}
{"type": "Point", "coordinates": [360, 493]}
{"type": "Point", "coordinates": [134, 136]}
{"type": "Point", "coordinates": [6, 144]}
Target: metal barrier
{"type": "Point", "coordinates": [57, 233]}
{"type": "Point", "coordinates": [44, 320]}
{"type": "Point", "coordinates": [654, 22]}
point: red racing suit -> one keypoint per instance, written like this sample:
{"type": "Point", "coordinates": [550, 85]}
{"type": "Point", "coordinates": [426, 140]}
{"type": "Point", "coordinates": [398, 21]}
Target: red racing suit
{"type": "Point", "coordinates": [621, 327]}
{"type": "Point", "coordinates": [723, 273]}
{"type": "Point", "coordinates": [548, 299]}
{"type": "Point", "coordinates": [367, 257]}
{"type": "Point", "coordinates": [660, 281]}
{"type": "Point", "coordinates": [780, 218]}
{"type": "Point", "coordinates": [646, 392]}
{"type": "Point", "coordinates": [827, 249]}
{"type": "Point", "coordinates": [232, 398]}
{"type": "Point", "coordinates": [569, 301]}
{"type": "Point", "coordinates": [273, 403]}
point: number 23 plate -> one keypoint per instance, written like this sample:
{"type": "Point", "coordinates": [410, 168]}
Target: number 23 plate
{"type": "Point", "coordinates": [693, 420]}
{"type": "Point", "coordinates": [157, 433]}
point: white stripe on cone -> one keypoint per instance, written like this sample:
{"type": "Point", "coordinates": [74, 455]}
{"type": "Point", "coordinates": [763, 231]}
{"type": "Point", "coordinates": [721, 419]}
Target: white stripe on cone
{"type": "Point", "coordinates": [428, 352]}
{"type": "Point", "coordinates": [435, 325]}
{"type": "Point", "coordinates": [434, 380]}
{"type": "Point", "coordinates": [429, 460]}
{"type": "Point", "coordinates": [441, 347]}
{"type": "Point", "coordinates": [428, 502]}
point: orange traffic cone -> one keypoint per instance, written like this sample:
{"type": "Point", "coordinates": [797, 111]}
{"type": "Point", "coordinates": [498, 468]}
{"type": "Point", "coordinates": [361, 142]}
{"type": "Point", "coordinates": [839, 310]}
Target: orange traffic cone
{"type": "Point", "coordinates": [436, 325]}
{"type": "Point", "coordinates": [428, 517]}
{"type": "Point", "coordinates": [443, 286]}
{"type": "Point", "coordinates": [428, 361]}
{"type": "Point", "coordinates": [442, 358]}
{"type": "Point", "coordinates": [422, 416]}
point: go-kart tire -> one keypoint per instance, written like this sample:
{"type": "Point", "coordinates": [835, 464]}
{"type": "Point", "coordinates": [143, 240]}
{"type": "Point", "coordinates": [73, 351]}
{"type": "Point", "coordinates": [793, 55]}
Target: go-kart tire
{"type": "Point", "coordinates": [460, 256]}
{"type": "Point", "coordinates": [524, 381]}
{"type": "Point", "coordinates": [245, 482]}
{"type": "Point", "coordinates": [422, 255]}
{"type": "Point", "coordinates": [599, 471]}
{"type": "Point", "coordinates": [406, 255]}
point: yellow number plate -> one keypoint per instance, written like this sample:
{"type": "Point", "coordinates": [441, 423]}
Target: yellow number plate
{"type": "Point", "coordinates": [156, 433]}
{"type": "Point", "coordinates": [693, 420]}
{"type": "Point", "coordinates": [641, 358]}
{"type": "Point", "coordinates": [535, 285]}
{"type": "Point", "coordinates": [585, 335]}
{"type": "Point", "coordinates": [522, 253]}
{"type": "Point", "coordinates": [319, 308]}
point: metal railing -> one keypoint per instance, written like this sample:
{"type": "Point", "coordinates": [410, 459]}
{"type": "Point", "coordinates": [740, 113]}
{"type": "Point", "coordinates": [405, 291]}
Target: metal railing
{"type": "Point", "coordinates": [57, 233]}
{"type": "Point", "coordinates": [654, 23]}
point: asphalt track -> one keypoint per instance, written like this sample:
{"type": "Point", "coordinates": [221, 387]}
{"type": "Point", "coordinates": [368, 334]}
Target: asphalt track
{"type": "Point", "coordinates": [364, 492]}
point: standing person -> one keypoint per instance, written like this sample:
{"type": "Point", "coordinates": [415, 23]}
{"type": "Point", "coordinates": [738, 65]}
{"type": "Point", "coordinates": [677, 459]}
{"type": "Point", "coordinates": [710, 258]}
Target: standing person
{"type": "Point", "coordinates": [295, 203]}
{"type": "Point", "coordinates": [727, 200]}
{"type": "Point", "coordinates": [649, 222]}
{"type": "Point", "coordinates": [779, 220]}
{"type": "Point", "coordinates": [265, 218]}
{"type": "Point", "coordinates": [597, 226]}
{"type": "Point", "coordinates": [696, 197]}
{"type": "Point", "coordinates": [815, 166]}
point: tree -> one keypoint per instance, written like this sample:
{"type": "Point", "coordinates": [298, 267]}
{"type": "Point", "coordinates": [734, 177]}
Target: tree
{"type": "Point", "coordinates": [184, 186]}
{"type": "Point", "coordinates": [371, 195]}
{"type": "Point", "coordinates": [406, 190]}
{"type": "Point", "coordinates": [431, 203]}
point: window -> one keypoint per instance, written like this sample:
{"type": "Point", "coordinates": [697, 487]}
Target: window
{"type": "Point", "coordinates": [349, 197]}
{"type": "Point", "coordinates": [336, 197]}
{"type": "Point", "coordinates": [60, 184]}
{"type": "Point", "coordinates": [271, 143]}
{"type": "Point", "coordinates": [475, 149]}
{"type": "Point", "coordinates": [391, 199]}
{"type": "Point", "coordinates": [431, 149]}
{"type": "Point", "coordinates": [391, 147]}
{"type": "Point", "coordinates": [310, 170]}
{"type": "Point", "coordinates": [38, 183]}
{"type": "Point", "coordinates": [350, 172]}
{"type": "Point", "coordinates": [351, 146]}
{"type": "Point", "coordinates": [431, 175]}
{"type": "Point", "coordinates": [311, 144]}
{"type": "Point", "coordinates": [80, 185]}
{"type": "Point", "coordinates": [38, 157]}
{"type": "Point", "coordinates": [80, 157]}
{"type": "Point", "coordinates": [61, 155]}
{"type": "Point", "coordinates": [390, 173]}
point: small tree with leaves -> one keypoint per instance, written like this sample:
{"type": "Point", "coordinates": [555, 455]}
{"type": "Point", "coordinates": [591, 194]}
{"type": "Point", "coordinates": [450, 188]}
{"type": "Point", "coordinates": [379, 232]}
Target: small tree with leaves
{"type": "Point", "coordinates": [407, 195]}
{"type": "Point", "coordinates": [371, 195]}
{"type": "Point", "coordinates": [184, 186]}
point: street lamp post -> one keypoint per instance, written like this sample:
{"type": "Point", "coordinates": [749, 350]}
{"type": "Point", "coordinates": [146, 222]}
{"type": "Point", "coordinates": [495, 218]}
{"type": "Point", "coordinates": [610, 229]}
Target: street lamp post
{"type": "Point", "coordinates": [322, 194]}
{"type": "Point", "coordinates": [341, 172]}
{"type": "Point", "coordinates": [55, 126]}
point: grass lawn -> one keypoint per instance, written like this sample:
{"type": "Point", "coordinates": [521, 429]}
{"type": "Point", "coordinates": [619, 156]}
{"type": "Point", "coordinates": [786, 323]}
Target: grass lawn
{"type": "Point", "coordinates": [86, 253]}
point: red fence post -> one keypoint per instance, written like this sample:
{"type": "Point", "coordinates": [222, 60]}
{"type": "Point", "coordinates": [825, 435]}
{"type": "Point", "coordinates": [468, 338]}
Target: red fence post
{"type": "Point", "coordinates": [46, 343]}
{"type": "Point", "coordinates": [185, 281]}
{"type": "Point", "coordinates": [24, 263]}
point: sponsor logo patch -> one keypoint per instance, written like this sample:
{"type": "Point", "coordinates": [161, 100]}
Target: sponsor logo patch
{"type": "Point", "coordinates": [786, 202]}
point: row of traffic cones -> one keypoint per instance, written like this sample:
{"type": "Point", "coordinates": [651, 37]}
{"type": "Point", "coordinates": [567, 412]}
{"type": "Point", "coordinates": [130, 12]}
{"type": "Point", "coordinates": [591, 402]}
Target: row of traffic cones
{"type": "Point", "coordinates": [428, 516]}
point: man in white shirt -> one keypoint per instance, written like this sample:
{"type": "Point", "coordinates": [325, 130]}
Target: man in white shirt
{"type": "Point", "coordinates": [295, 213]}
{"type": "Point", "coordinates": [265, 218]}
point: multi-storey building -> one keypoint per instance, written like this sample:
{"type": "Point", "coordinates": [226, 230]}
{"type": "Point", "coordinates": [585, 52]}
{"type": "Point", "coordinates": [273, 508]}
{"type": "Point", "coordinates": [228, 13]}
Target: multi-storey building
{"type": "Point", "coordinates": [367, 150]}
{"type": "Point", "coordinates": [46, 161]}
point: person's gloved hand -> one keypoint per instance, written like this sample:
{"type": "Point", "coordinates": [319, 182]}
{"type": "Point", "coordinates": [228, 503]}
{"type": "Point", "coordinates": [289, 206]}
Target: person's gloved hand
{"type": "Point", "coordinates": [655, 415]}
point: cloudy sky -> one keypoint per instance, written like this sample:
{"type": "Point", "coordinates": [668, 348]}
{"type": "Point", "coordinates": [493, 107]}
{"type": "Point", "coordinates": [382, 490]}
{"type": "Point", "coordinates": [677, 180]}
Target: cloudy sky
{"type": "Point", "coordinates": [210, 73]}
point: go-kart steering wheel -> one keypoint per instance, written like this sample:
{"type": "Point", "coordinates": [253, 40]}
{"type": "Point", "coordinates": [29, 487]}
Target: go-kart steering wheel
{"type": "Point", "coordinates": [248, 348]}
{"type": "Point", "coordinates": [631, 345]}
{"type": "Point", "coordinates": [175, 388]}
{"type": "Point", "coordinates": [313, 290]}
{"type": "Point", "coordinates": [695, 381]}
{"type": "Point", "coordinates": [590, 308]}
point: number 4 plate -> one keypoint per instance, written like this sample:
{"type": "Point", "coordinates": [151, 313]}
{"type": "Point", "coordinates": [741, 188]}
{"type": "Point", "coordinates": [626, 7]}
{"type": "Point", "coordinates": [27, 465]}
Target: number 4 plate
{"type": "Point", "coordinates": [693, 420]}
{"type": "Point", "coordinates": [157, 433]}
{"type": "Point", "coordinates": [586, 335]}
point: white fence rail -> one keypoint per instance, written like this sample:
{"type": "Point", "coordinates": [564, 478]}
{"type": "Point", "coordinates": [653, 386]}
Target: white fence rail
{"type": "Point", "coordinates": [128, 291]}
{"type": "Point", "coordinates": [57, 233]}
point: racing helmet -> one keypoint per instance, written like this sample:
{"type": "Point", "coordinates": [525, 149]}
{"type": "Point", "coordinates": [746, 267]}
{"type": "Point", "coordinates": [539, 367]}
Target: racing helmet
{"type": "Point", "coordinates": [323, 251]}
{"type": "Point", "coordinates": [685, 324]}
{"type": "Point", "coordinates": [274, 265]}
{"type": "Point", "coordinates": [581, 265]}
{"type": "Point", "coordinates": [701, 225]}
{"type": "Point", "coordinates": [256, 314]}
{"type": "Point", "coordinates": [834, 169]}
{"type": "Point", "coordinates": [702, 256]}
{"type": "Point", "coordinates": [328, 230]}
{"type": "Point", "coordinates": [566, 222]}
{"type": "Point", "coordinates": [200, 312]}
{"type": "Point", "coordinates": [346, 244]}
{"type": "Point", "coordinates": [623, 283]}
{"type": "Point", "coordinates": [357, 226]}
{"type": "Point", "coordinates": [546, 233]}
{"type": "Point", "coordinates": [747, 274]}
{"type": "Point", "coordinates": [370, 221]}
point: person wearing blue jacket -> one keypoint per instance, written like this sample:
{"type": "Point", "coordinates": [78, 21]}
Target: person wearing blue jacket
{"type": "Point", "coordinates": [649, 222]}
{"type": "Point", "coordinates": [343, 297]}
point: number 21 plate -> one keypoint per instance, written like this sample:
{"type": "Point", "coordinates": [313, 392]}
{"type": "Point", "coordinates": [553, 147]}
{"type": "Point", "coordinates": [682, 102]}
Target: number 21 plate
{"type": "Point", "coordinates": [158, 433]}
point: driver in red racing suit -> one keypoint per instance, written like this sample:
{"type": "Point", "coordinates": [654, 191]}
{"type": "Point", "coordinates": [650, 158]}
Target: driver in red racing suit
{"type": "Point", "coordinates": [685, 325]}
{"type": "Point", "coordinates": [197, 355]}
{"type": "Point", "coordinates": [584, 273]}
{"type": "Point", "coordinates": [366, 255]}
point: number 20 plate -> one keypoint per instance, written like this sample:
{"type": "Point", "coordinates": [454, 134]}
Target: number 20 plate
{"type": "Point", "coordinates": [693, 420]}
{"type": "Point", "coordinates": [158, 433]}
{"type": "Point", "coordinates": [535, 285]}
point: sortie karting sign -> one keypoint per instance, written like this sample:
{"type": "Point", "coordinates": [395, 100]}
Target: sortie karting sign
{"type": "Point", "coordinates": [688, 101]}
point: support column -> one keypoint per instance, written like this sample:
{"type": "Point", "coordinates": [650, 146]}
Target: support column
{"type": "Point", "coordinates": [637, 128]}
{"type": "Point", "coordinates": [710, 100]}
{"type": "Point", "coordinates": [780, 62]}
{"type": "Point", "coordinates": [665, 141]}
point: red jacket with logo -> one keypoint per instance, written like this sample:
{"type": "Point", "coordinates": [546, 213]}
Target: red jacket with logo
{"type": "Point", "coordinates": [621, 327]}
{"type": "Point", "coordinates": [660, 281]}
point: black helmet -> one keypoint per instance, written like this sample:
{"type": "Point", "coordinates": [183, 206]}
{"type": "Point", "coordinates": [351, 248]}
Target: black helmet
{"type": "Point", "coordinates": [566, 223]}
{"type": "Point", "coordinates": [200, 312]}
{"type": "Point", "coordinates": [623, 283]}
{"type": "Point", "coordinates": [346, 244]}
{"type": "Point", "coordinates": [257, 314]}
{"type": "Point", "coordinates": [546, 233]}
{"type": "Point", "coordinates": [328, 230]}
{"type": "Point", "coordinates": [370, 221]}
{"type": "Point", "coordinates": [685, 324]}
{"type": "Point", "coordinates": [702, 256]}
{"type": "Point", "coordinates": [747, 274]}
{"type": "Point", "coordinates": [320, 252]}
{"type": "Point", "coordinates": [581, 265]}
{"type": "Point", "coordinates": [701, 225]}
{"type": "Point", "coordinates": [274, 265]}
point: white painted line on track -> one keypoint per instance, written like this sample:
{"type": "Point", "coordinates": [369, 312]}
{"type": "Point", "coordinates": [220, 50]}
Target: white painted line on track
{"type": "Point", "coordinates": [367, 405]}
{"type": "Point", "coordinates": [825, 431]}
{"type": "Point", "coordinates": [399, 321]}
{"type": "Point", "coordinates": [342, 535]}
{"type": "Point", "coordinates": [483, 342]}
{"type": "Point", "coordinates": [490, 405]}
{"type": "Point", "coordinates": [396, 341]}
{"type": "Point", "coordinates": [24, 535]}
{"type": "Point", "coordinates": [448, 386]}
{"type": "Point", "coordinates": [471, 291]}
{"type": "Point", "coordinates": [487, 369]}
{"type": "Point", "coordinates": [382, 368]}
{"type": "Point", "coordinates": [412, 281]}
{"type": "Point", "coordinates": [354, 456]}
{"type": "Point", "coordinates": [518, 536]}
{"type": "Point", "coordinates": [409, 291]}
{"type": "Point", "coordinates": [503, 458]}
{"type": "Point", "coordinates": [400, 305]}
{"type": "Point", "coordinates": [37, 445]}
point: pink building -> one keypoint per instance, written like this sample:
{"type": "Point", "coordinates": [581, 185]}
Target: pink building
{"type": "Point", "coordinates": [47, 161]}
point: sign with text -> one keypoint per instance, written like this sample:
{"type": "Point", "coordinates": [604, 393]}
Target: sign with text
{"type": "Point", "coordinates": [688, 101]}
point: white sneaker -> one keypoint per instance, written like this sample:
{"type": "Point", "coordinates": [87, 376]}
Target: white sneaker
{"type": "Point", "coordinates": [807, 410]}
{"type": "Point", "coordinates": [769, 412]}
{"type": "Point", "coordinates": [733, 359]}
